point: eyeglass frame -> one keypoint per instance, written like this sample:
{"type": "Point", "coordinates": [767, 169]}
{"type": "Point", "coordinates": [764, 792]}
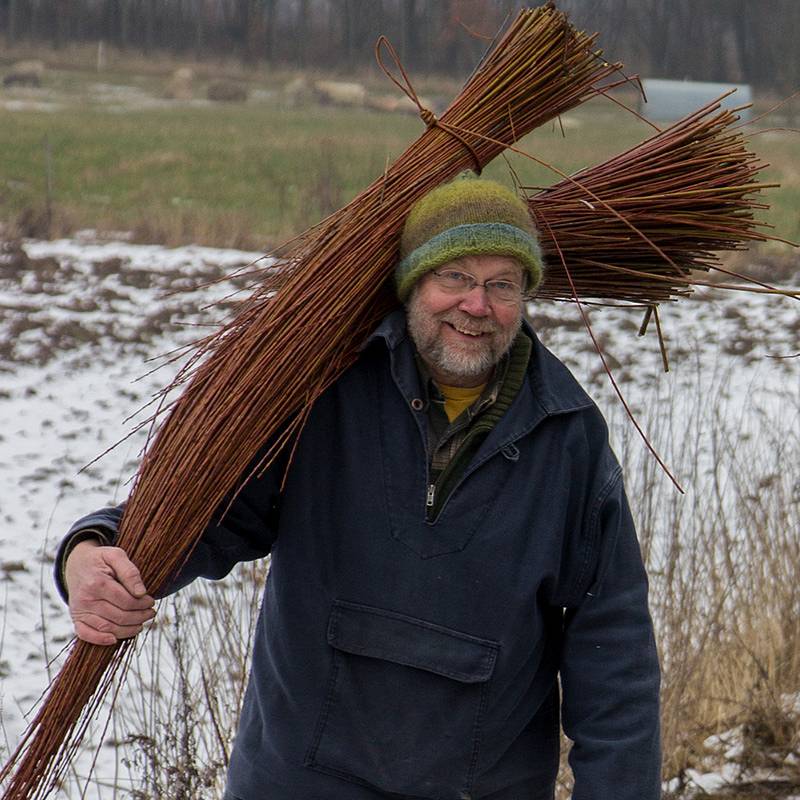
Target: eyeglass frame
{"type": "Point", "coordinates": [523, 293]}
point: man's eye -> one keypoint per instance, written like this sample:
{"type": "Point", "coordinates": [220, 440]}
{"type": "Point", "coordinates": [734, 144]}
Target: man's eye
{"type": "Point", "coordinates": [455, 276]}
{"type": "Point", "coordinates": [503, 286]}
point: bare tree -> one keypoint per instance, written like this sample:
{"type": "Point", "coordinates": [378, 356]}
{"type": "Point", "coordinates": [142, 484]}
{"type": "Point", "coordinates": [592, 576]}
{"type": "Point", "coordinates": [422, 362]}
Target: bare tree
{"type": "Point", "coordinates": [270, 11]}
{"type": "Point", "coordinates": [733, 40]}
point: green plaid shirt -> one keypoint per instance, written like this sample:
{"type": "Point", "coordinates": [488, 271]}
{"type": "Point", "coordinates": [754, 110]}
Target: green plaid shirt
{"type": "Point", "coordinates": [445, 437]}
{"type": "Point", "coordinates": [451, 445]}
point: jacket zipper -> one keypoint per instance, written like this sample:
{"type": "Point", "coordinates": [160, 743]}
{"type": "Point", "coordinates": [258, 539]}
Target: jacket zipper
{"type": "Point", "coordinates": [430, 497]}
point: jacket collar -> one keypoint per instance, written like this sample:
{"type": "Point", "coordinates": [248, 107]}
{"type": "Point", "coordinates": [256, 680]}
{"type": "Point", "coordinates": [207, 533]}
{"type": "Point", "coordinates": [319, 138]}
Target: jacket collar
{"type": "Point", "coordinates": [552, 386]}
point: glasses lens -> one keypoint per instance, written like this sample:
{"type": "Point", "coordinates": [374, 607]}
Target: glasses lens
{"type": "Point", "coordinates": [454, 281]}
{"type": "Point", "coordinates": [499, 291]}
{"type": "Point", "coordinates": [503, 291]}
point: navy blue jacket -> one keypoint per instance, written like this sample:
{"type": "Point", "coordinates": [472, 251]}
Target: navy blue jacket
{"type": "Point", "coordinates": [399, 657]}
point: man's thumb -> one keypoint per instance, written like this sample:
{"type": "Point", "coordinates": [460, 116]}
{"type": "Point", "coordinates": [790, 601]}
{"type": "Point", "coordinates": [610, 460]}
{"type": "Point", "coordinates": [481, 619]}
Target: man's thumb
{"type": "Point", "coordinates": [127, 573]}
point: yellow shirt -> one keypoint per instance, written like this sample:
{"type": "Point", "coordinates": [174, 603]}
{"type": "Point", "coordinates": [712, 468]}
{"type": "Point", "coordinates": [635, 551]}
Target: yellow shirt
{"type": "Point", "coordinates": [457, 398]}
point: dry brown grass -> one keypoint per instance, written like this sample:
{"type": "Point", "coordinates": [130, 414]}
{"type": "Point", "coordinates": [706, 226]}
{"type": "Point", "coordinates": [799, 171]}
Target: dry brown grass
{"type": "Point", "coordinates": [725, 567]}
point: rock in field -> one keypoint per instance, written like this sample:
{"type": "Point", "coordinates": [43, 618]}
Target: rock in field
{"type": "Point", "coordinates": [227, 91]}
{"type": "Point", "coordinates": [25, 73]}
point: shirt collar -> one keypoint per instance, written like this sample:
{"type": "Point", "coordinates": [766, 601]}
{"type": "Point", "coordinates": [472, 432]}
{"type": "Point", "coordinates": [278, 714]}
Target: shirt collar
{"type": "Point", "coordinates": [553, 386]}
{"type": "Point", "coordinates": [487, 396]}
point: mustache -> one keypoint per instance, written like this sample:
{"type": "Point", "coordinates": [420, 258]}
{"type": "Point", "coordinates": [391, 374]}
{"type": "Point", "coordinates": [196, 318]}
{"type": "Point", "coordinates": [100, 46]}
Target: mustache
{"type": "Point", "coordinates": [470, 324]}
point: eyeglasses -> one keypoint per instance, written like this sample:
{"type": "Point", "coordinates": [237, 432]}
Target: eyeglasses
{"type": "Point", "coordinates": [499, 290]}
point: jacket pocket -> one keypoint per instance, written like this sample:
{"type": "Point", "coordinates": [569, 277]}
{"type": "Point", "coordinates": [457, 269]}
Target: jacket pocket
{"type": "Point", "coordinates": [404, 703]}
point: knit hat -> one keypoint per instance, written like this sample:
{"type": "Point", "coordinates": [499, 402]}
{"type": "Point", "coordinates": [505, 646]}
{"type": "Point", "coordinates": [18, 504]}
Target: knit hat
{"type": "Point", "coordinates": [470, 216]}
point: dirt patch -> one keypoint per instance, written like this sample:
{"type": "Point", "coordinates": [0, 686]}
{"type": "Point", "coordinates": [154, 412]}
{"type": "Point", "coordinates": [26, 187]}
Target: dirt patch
{"type": "Point", "coordinates": [110, 266]}
{"type": "Point", "coordinates": [139, 278]}
{"type": "Point", "coordinates": [13, 259]}
{"type": "Point", "coordinates": [740, 345]}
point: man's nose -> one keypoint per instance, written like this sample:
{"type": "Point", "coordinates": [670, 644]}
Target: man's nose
{"type": "Point", "coordinates": [476, 302]}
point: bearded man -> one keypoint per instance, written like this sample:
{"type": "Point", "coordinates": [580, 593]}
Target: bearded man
{"type": "Point", "coordinates": [454, 565]}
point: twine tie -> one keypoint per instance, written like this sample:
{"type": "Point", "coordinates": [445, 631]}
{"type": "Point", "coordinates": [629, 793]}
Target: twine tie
{"type": "Point", "coordinates": [426, 115]}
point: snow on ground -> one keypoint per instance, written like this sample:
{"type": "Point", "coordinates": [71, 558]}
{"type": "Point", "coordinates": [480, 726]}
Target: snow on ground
{"type": "Point", "coordinates": [77, 323]}
{"type": "Point", "coordinates": [728, 760]}
{"type": "Point", "coordinates": [113, 97]}
{"type": "Point", "coordinates": [80, 319]}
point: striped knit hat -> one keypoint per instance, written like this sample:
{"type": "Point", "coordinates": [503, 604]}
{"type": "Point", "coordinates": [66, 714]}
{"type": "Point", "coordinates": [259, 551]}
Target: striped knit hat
{"type": "Point", "coordinates": [470, 216]}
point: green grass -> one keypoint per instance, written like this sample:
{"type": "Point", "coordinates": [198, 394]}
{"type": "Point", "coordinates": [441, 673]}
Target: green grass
{"type": "Point", "coordinates": [214, 174]}
{"type": "Point", "coordinates": [255, 174]}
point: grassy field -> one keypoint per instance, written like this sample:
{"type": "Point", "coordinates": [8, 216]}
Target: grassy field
{"type": "Point", "coordinates": [117, 156]}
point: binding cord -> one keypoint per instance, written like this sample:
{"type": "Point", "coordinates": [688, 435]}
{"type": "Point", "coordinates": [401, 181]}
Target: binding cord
{"type": "Point", "coordinates": [426, 115]}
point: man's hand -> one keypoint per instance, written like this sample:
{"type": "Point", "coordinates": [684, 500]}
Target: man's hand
{"type": "Point", "coordinates": [107, 598]}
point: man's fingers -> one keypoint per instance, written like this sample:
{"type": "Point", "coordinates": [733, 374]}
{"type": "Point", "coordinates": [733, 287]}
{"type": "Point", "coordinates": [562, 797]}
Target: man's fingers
{"type": "Point", "coordinates": [105, 616]}
{"type": "Point", "coordinates": [107, 597]}
{"type": "Point", "coordinates": [96, 630]}
{"type": "Point", "coordinates": [89, 634]}
{"type": "Point", "coordinates": [124, 570]}
{"type": "Point", "coordinates": [102, 588]}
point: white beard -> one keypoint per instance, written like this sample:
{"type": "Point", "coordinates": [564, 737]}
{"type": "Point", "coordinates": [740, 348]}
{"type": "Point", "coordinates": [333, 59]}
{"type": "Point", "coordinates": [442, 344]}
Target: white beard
{"type": "Point", "coordinates": [458, 360]}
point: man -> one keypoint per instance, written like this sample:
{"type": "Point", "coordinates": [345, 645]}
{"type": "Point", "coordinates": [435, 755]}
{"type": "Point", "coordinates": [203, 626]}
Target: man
{"type": "Point", "coordinates": [453, 538]}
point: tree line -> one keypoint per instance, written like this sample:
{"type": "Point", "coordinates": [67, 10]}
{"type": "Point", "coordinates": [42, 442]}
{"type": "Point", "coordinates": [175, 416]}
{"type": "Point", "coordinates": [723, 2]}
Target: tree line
{"type": "Point", "coordinates": [719, 40]}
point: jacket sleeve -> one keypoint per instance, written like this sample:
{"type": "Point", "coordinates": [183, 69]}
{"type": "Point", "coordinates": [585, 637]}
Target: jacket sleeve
{"type": "Point", "coordinates": [242, 532]}
{"type": "Point", "coordinates": [609, 666]}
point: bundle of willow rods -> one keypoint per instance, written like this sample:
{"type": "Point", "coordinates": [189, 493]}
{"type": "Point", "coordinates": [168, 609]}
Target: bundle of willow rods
{"type": "Point", "coordinates": [637, 227]}
{"type": "Point", "coordinates": [257, 378]}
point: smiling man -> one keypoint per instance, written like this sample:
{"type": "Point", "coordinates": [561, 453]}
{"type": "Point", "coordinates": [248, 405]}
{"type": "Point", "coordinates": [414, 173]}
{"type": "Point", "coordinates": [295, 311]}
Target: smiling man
{"type": "Point", "coordinates": [454, 565]}
{"type": "Point", "coordinates": [462, 334]}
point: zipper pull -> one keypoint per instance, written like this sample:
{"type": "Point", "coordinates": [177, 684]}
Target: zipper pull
{"type": "Point", "coordinates": [430, 496]}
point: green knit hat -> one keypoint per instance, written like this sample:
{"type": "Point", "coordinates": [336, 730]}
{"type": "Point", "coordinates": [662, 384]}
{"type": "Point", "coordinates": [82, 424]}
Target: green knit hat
{"type": "Point", "coordinates": [470, 216]}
